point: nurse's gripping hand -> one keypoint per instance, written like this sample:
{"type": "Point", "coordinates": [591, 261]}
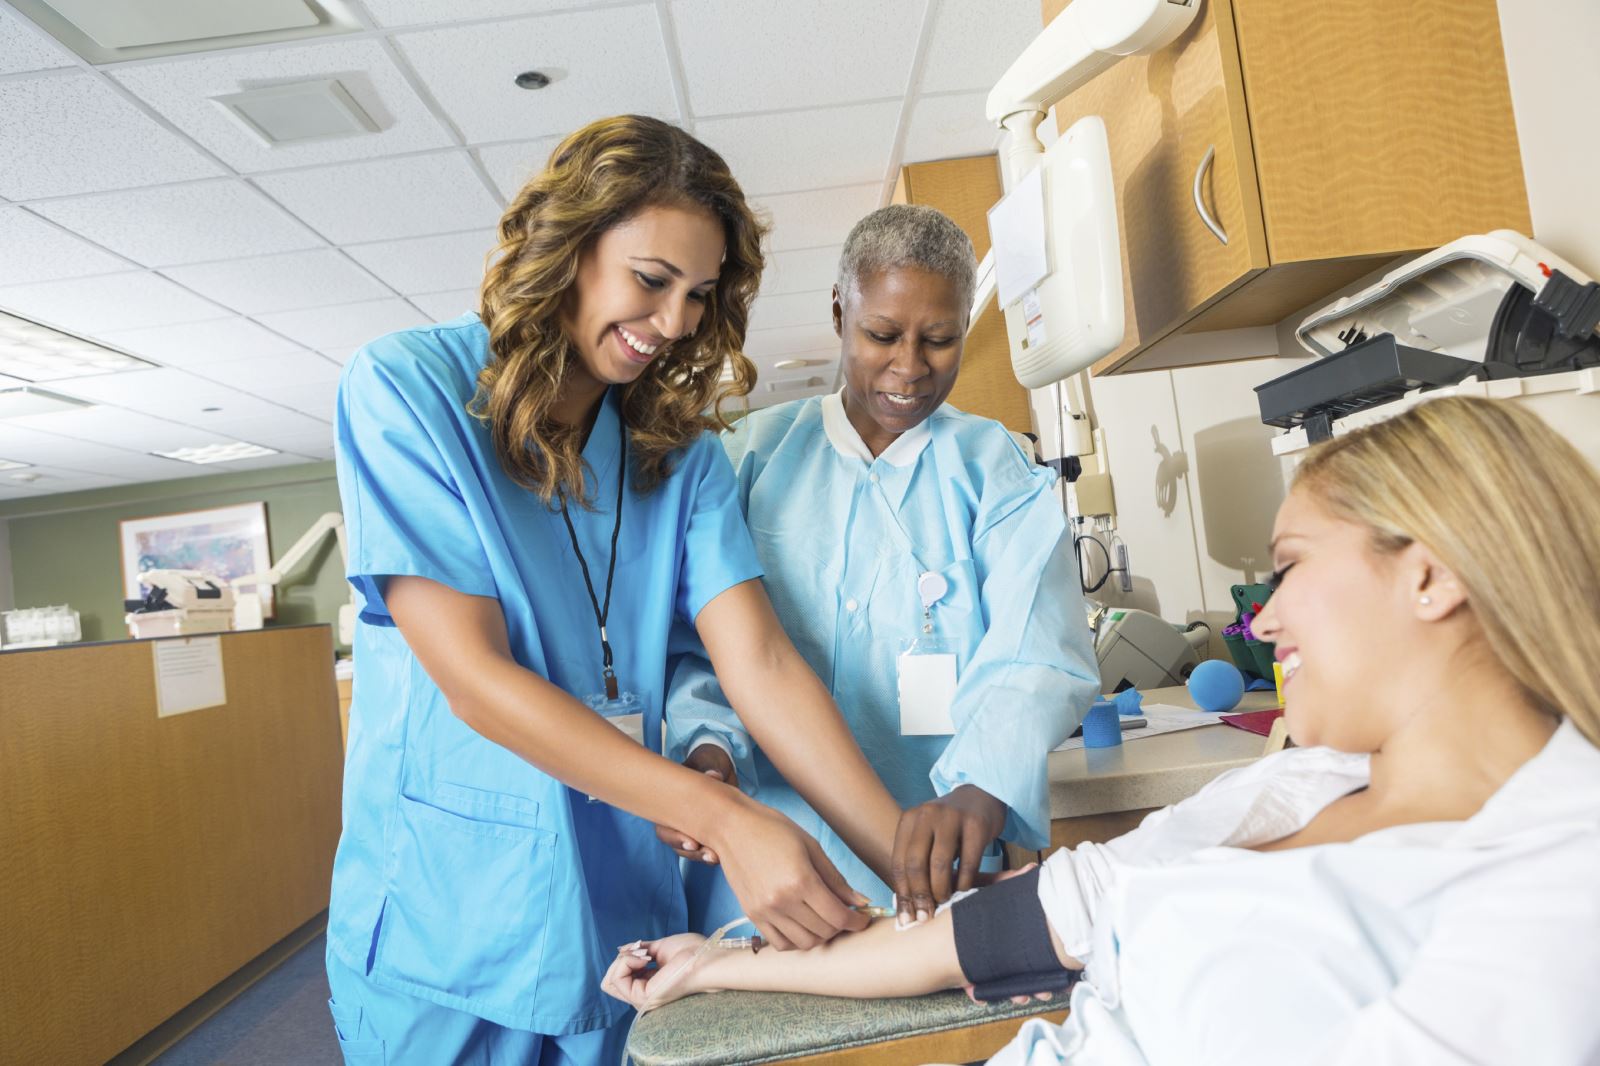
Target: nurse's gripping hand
{"type": "Point", "coordinates": [716, 764]}
{"type": "Point", "coordinates": [929, 840]}
{"type": "Point", "coordinates": [785, 883]}
{"type": "Point", "coordinates": [652, 973]}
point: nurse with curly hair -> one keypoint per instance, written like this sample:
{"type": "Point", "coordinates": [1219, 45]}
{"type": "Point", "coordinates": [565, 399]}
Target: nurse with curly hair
{"type": "Point", "coordinates": [540, 521]}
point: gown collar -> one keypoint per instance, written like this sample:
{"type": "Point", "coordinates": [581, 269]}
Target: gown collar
{"type": "Point", "coordinates": [847, 442]}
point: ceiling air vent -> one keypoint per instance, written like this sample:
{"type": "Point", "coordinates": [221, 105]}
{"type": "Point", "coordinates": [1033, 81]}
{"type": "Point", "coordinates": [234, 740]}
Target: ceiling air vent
{"type": "Point", "coordinates": [110, 31]}
{"type": "Point", "coordinates": [297, 113]}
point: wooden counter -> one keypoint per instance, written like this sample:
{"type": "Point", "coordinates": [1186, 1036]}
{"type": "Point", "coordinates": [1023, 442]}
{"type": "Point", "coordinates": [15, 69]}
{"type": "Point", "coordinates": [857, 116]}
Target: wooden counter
{"type": "Point", "coordinates": [147, 858]}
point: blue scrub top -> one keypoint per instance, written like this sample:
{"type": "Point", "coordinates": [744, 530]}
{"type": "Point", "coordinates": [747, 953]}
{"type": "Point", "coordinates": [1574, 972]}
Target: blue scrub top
{"type": "Point", "coordinates": [464, 875]}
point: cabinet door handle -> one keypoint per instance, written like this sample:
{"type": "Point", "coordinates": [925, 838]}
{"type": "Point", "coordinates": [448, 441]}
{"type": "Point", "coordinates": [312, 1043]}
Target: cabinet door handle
{"type": "Point", "coordinates": [1199, 200]}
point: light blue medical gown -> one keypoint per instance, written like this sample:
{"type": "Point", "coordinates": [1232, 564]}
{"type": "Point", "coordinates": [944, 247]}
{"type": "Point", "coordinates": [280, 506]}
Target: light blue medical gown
{"type": "Point", "coordinates": [843, 539]}
{"type": "Point", "coordinates": [464, 875]}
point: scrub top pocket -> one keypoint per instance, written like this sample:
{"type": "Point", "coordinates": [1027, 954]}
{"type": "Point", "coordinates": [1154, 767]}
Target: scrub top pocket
{"type": "Point", "coordinates": [357, 1047]}
{"type": "Point", "coordinates": [468, 898]}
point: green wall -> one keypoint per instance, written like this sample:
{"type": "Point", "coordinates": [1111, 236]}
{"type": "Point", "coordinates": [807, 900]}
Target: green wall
{"type": "Point", "coordinates": [65, 548]}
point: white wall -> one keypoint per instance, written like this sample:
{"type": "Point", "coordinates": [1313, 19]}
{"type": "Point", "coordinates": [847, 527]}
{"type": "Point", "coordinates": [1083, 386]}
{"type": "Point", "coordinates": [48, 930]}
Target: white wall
{"type": "Point", "coordinates": [1195, 482]}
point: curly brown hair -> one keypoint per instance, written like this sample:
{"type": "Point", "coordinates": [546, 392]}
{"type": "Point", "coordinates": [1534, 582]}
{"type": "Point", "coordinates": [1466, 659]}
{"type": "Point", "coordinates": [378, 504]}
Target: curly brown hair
{"type": "Point", "coordinates": [602, 175]}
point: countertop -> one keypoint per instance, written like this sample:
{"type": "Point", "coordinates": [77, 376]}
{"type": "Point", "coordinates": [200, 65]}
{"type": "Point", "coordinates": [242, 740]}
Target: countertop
{"type": "Point", "coordinates": [1154, 771]}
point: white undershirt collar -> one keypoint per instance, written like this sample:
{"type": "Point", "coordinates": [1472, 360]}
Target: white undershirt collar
{"type": "Point", "coordinates": [902, 452]}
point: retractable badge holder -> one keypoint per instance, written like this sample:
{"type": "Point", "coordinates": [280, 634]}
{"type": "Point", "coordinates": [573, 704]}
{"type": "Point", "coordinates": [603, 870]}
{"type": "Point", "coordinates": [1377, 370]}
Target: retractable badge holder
{"type": "Point", "coordinates": [927, 669]}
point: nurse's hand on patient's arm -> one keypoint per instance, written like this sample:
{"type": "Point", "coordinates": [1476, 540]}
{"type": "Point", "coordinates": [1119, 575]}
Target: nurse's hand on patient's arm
{"type": "Point", "coordinates": [716, 764]}
{"type": "Point", "coordinates": [931, 837]}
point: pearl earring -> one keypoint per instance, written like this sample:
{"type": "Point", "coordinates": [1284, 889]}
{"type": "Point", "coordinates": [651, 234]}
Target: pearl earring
{"type": "Point", "coordinates": [1426, 600]}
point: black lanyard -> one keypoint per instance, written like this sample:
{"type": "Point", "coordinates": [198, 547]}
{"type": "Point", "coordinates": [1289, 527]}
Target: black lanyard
{"type": "Point", "coordinates": [602, 613]}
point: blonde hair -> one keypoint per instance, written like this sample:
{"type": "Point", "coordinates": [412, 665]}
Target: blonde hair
{"type": "Point", "coordinates": [599, 176]}
{"type": "Point", "coordinates": [1511, 507]}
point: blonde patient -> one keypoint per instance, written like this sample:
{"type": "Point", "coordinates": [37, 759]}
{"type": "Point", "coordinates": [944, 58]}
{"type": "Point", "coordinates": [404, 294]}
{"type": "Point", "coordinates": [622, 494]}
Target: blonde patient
{"type": "Point", "coordinates": [1418, 881]}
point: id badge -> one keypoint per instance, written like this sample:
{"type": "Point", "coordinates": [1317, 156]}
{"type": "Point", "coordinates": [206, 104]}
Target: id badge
{"type": "Point", "coordinates": [626, 712]}
{"type": "Point", "coordinates": [927, 669]}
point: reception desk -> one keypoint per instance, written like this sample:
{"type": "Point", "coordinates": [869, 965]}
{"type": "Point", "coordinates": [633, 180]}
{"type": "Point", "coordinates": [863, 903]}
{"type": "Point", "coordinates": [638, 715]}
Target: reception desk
{"type": "Point", "coordinates": [144, 859]}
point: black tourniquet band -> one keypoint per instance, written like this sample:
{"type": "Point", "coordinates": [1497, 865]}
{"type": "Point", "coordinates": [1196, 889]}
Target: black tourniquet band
{"type": "Point", "coordinates": [1003, 941]}
{"type": "Point", "coordinates": [602, 613]}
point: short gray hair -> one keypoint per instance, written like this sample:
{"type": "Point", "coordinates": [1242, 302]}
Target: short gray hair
{"type": "Point", "coordinates": [909, 235]}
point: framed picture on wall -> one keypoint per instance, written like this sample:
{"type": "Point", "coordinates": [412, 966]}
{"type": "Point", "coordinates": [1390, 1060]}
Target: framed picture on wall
{"type": "Point", "coordinates": [227, 541]}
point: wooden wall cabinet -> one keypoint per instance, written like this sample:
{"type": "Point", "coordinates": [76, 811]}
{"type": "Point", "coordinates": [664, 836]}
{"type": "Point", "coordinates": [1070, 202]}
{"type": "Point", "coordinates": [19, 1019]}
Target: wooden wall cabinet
{"type": "Point", "coordinates": [1339, 135]}
{"type": "Point", "coordinates": [965, 189]}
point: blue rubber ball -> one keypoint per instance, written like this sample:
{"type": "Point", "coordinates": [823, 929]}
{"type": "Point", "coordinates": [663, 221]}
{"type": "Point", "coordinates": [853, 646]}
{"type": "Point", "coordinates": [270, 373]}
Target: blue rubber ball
{"type": "Point", "coordinates": [1216, 686]}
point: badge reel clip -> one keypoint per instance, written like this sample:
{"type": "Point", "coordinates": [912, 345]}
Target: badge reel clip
{"type": "Point", "coordinates": [927, 668]}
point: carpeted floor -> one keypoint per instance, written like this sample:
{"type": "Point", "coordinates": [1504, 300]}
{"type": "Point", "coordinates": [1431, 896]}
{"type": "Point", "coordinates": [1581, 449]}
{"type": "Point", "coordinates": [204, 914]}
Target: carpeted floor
{"type": "Point", "coordinates": [281, 1020]}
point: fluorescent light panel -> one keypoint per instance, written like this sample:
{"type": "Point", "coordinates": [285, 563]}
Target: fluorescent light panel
{"type": "Point", "coordinates": [38, 353]}
{"type": "Point", "coordinates": [15, 403]}
{"type": "Point", "coordinates": [218, 453]}
{"type": "Point", "coordinates": [7, 464]}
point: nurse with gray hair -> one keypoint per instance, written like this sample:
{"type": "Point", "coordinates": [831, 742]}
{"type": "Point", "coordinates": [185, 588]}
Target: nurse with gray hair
{"type": "Point", "coordinates": [922, 565]}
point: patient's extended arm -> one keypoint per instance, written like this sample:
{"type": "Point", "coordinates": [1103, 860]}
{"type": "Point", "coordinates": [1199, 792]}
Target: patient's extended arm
{"type": "Point", "coordinates": [879, 962]}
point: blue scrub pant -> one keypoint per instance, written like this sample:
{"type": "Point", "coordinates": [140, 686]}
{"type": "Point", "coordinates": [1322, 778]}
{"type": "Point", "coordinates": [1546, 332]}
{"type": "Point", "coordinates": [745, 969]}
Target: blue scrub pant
{"type": "Point", "coordinates": [377, 1026]}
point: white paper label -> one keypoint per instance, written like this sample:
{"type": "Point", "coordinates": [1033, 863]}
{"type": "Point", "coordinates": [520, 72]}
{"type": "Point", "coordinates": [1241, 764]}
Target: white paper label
{"type": "Point", "coordinates": [1033, 318]}
{"type": "Point", "coordinates": [927, 690]}
{"type": "Point", "coordinates": [188, 675]}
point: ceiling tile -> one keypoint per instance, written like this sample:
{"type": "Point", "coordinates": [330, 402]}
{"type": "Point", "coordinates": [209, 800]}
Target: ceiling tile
{"type": "Point", "coordinates": [443, 306]}
{"type": "Point", "coordinates": [281, 282]}
{"type": "Point", "coordinates": [974, 43]}
{"type": "Point", "coordinates": [762, 55]}
{"type": "Point", "coordinates": [387, 199]}
{"type": "Point", "coordinates": [181, 90]}
{"type": "Point", "coordinates": [284, 430]}
{"type": "Point", "coordinates": [948, 127]}
{"type": "Point", "coordinates": [252, 375]}
{"type": "Point", "coordinates": [37, 251]}
{"type": "Point", "coordinates": [770, 344]}
{"type": "Point", "coordinates": [22, 48]}
{"type": "Point", "coordinates": [814, 219]}
{"type": "Point", "coordinates": [605, 62]}
{"type": "Point", "coordinates": [420, 12]}
{"type": "Point", "coordinates": [315, 399]}
{"type": "Point", "coordinates": [141, 389]}
{"type": "Point", "coordinates": [259, 462]}
{"type": "Point", "coordinates": [201, 343]}
{"type": "Point", "coordinates": [62, 134]}
{"type": "Point", "coordinates": [429, 264]}
{"type": "Point", "coordinates": [805, 149]}
{"type": "Point", "coordinates": [511, 165]}
{"type": "Point", "coordinates": [30, 445]}
{"type": "Point", "coordinates": [187, 223]}
{"type": "Point", "coordinates": [119, 428]}
{"type": "Point", "coordinates": [47, 480]}
{"type": "Point", "coordinates": [346, 326]}
{"type": "Point", "coordinates": [803, 270]}
{"type": "Point", "coordinates": [107, 302]}
{"type": "Point", "coordinates": [792, 309]}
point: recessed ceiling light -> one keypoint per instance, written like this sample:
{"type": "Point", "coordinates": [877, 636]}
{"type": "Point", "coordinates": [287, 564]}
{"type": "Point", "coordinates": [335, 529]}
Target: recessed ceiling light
{"type": "Point", "coordinates": [34, 352]}
{"type": "Point", "coordinates": [7, 464]}
{"type": "Point", "coordinates": [796, 364]}
{"type": "Point", "coordinates": [218, 453]}
{"type": "Point", "coordinates": [792, 384]}
{"type": "Point", "coordinates": [16, 403]}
